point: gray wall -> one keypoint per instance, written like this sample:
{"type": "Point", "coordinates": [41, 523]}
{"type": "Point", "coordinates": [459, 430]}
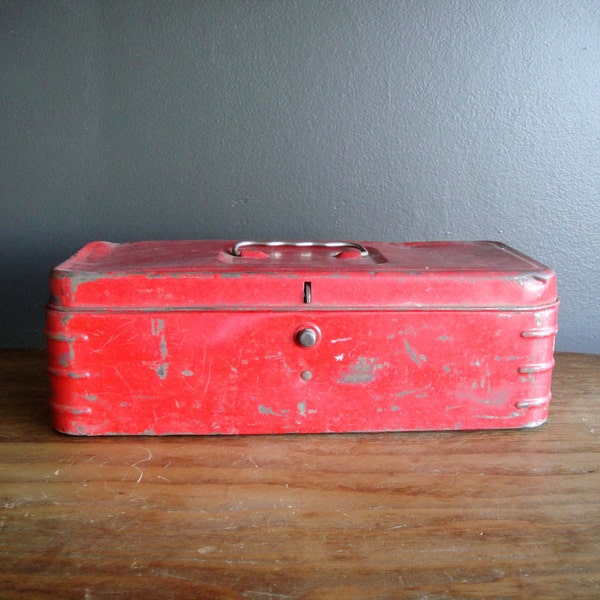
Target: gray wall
{"type": "Point", "coordinates": [390, 120]}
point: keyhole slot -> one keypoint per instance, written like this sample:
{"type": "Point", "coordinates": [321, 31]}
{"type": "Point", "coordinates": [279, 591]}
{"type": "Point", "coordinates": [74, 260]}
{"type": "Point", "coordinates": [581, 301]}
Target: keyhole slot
{"type": "Point", "coordinates": [307, 292]}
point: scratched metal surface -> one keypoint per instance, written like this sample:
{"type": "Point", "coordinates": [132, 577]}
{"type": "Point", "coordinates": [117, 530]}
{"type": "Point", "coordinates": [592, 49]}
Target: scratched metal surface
{"type": "Point", "coordinates": [188, 337]}
{"type": "Point", "coordinates": [162, 373]}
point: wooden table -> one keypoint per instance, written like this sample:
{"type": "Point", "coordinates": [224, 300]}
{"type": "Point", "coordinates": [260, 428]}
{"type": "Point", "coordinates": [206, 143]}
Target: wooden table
{"type": "Point", "coordinates": [500, 514]}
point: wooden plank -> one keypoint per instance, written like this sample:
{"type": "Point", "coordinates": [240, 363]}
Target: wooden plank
{"type": "Point", "coordinates": [496, 514]}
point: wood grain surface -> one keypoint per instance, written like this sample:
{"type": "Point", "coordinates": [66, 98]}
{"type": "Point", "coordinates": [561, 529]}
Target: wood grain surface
{"type": "Point", "coordinates": [496, 514]}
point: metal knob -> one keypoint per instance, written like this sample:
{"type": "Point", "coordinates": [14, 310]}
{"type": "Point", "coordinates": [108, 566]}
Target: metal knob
{"type": "Point", "coordinates": [307, 337]}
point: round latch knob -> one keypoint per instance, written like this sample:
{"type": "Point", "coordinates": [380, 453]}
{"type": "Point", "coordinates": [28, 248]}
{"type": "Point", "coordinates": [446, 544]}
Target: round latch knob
{"type": "Point", "coordinates": [307, 337]}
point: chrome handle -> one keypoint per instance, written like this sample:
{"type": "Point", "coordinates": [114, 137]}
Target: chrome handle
{"type": "Point", "coordinates": [237, 247]}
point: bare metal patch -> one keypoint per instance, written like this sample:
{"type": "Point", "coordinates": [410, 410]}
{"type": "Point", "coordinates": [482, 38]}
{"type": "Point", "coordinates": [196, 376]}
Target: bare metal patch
{"type": "Point", "coordinates": [418, 359]}
{"type": "Point", "coordinates": [267, 410]}
{"type": "Point", "coordinates": [362, 371]}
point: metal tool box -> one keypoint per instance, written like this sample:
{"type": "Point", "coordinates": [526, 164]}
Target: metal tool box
{"type": "Point", "coordinates": [216, 337]}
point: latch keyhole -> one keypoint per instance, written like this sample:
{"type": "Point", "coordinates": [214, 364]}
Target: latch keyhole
{"type": "Point", "coordinates": [307, 292]}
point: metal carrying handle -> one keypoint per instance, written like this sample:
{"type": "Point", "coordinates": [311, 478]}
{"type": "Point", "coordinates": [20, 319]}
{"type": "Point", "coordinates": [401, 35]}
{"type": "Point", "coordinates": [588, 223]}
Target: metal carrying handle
{"type": "Point", "coordinates": [237, 247]}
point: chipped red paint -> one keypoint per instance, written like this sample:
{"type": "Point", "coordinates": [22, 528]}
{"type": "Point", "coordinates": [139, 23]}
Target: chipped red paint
{"type": "Point", "coordinates": [185, 338]}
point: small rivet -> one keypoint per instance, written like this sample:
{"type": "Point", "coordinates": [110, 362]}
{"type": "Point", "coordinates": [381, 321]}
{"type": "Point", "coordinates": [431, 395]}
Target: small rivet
{"type": "Point", "coordinates": [306, 375]}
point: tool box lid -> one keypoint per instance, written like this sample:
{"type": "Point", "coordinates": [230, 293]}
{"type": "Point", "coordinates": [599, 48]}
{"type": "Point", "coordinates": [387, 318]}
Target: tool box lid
{"type": "Point", "coordinates": [212, 275]}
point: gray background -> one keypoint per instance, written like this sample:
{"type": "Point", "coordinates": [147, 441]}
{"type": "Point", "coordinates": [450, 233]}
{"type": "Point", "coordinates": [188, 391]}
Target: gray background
{"type": "Point", "coordinates": [382, 120]}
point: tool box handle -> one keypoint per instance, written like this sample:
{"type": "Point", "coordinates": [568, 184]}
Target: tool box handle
{"type": "Point", "coordinates": [237, 247]}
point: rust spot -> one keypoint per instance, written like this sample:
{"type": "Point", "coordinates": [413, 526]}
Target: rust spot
{"type": "Point", "coordinates": [55, 300]}
{"type": "Point", "coordinates": [161, 370]}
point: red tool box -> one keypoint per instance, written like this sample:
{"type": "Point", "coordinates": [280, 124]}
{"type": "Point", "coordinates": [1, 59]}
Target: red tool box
{"type": "Point", "coordinates": [212, 337]}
